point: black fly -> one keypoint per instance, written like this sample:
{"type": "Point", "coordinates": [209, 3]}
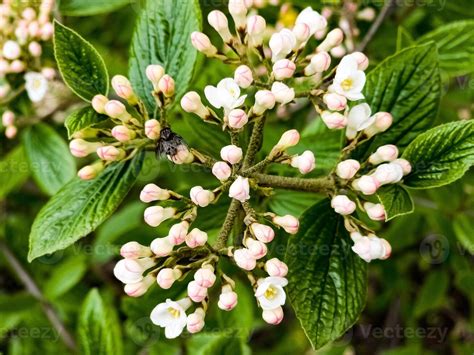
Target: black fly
{"type": "Point", "coordinates": [168, 143]}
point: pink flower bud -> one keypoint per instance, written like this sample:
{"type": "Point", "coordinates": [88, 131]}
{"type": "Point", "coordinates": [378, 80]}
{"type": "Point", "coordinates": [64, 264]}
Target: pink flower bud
{"type": "Point", "coordinates": [404, 164]}
{"type": "Point", "coordinates": [302, 33]}
{"type": "Point", "coordinates": [154, 73]}
{"type": "Point", "coordinates": [289, 223]}
{"type": "Point", "coordinates": [262, 232]}
{"type": "Point", "coordinates": [305, 162]}
{"type": "Point", "coordinates": [238, 10]}
{"type": "Point", "coordinates": [320, 62]}
{"type": "Point", "coordinates": [115, 109]}
{"type": "Point", "coordinates": [196, 238]}
{"type": "Point", "coordinates": [152, 192]}
{"type": "Point", "coordinates": [367, 14]}
{"type": "Point", "coordinates": [283, 94]}
{"type": "Point", "coordinates": [221, 170]}
{"type": "Point", "coordinates": [139, 288]}
{"type": "Point", "coordinates": [288, 139]}
{"type": "Point", "coordinates": [195, 292]}
{"type": "Point", "coordinates": [134, 250]}
{"type": "Point", "coordinates": [368, 185]}
{"type": "Point", "coordinates": [11, 50]}
{"type": "Point", "coordinates": [334, 120]}
{"type": "Point", "coordinates": [219, 22]}
{"type": "Point", "coordinates": [335, 102]}
{"type": "Point", "coordinates": [8, 118]}
{"type": "Point", "coordinates": [275, 267]}
{"type": "Point", "coordinates": [99, 102]}
{"type": "Point", "coordinates": [343, 205]}
{"type": "Point", "coordinates": [240, 189]}
{"type": "Point", "coordinates": [284, 69]}
{"type": "Point", "coordinates": [257, 248]}
{"type": "Point", "coordinates": [244, 259]}
{"type": "Point", "coordinates": [387, 249]}
{"type": "Point", "coordinates": [167, 277]}
{"type": "Point", "coordinates": [4, 67]}
{"type": "Point", "coordinates": [205, 276]}
{"type": "Point", "coordinates": [123, 88]}
{"type": "Point", "coordinates": [35, 49]}
{"type": "Point", "coordinates": [203, 44]}
{"type": "Point", "coordinates": [338, 52]}
{"type": "Point", "coordinates": [388, 173]}
{"type": "Point", "coordinates": [130, 271]}
{"type": "Point", "coordinates": [384, 153]}
{"type": "Point", "coordinates": [28, 14]}
{"type": "Point", "coordinates": [273, 316]}
{"type": "Point", "coordinates": [110, 153]}
{"type": "Point", "coordinates": [89, 172]}
{"type": "Point", "coordinates": [182, 156]}
{"type": "Point", "coordinates": [243, 76]}
{"type": "Point", "coordinates": [191, 102]}
{"type": "Point", "coordinates": [383, 121]}
{"type": "Point", "coordinates": [333, 39]}
{"type": "Point", "coordinates": [195, 321]}
{"type": "Point", "coordinates": [161, 247]}
{"type": "Point", "coordinates": [167, 85]}
{"type": "Point", "coordinates": [264, 100]}
{"type": "Point", "coordinates": [361, 59]}
{"type": "Point", "coordinates": [375, 211]}
{"type": "Point", "coordinates": [155, 215]}
{"type": "Point", "coordinates": [237, 119]}
{"type": "Point", "coordinates": [201, 197]}
{"type": "Point", "coordinates": [48, 73]}
{"type": "Point", "coordinates": [255, 30]}
{"type": "Point", "coordinates": [47, 31]}
{"type": "Point", "coordinates": [347, 169]}
{"type": "Point", "coordinates": [152, 129]}
{"type": "Point", "coordinates": [17, 66]}
{"type": "Point", "coordinates": [231, 154]}
{"type": "Point", "coordinates": [178, 232]}
{"type": "Point", "coordinates": [228, 299]}
{"type": "Point", "coordinates": [122, 133]}
{"type": "Point", "coordinates": [11, 132]}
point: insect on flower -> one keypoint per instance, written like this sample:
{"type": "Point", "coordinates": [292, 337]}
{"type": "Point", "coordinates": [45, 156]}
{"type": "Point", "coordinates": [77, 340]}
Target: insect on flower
{"type": "Point", "coordinates": [169, 143]}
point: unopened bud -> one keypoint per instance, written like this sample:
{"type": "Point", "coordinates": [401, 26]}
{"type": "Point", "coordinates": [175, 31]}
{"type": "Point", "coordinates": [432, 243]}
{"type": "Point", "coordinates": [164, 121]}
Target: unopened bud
{"type": "Point", "coordinates": [195, 321]}
{"type": "Point", "coordinates": [289, 223]}
{"type": "Point", "coordinates": [320, 62]}
{"type": "Point", "coordinates": [283, 94]}
{"type": "Point", "coordinates": [384, 153]}
{"type": "Point", "coordinates": [305, 162]}
{"type": "Point", "coordinates": [343, 205]}
{"type": "Point", "coordinates": [334, 120]}
{"type": "Point", "coordinates": [302, 33]}
{"type": "Point", "coordinates": [244, 259]}
{"type": "Point", "coordinates": [219, 22]}
{"type": "Point", "coordinates": [178, 233]}
{"type": "Point", "coordinates": [11, 132]}
{"type": "Point", "coordinates": [237, 119]}
{"type": "Point", "coordinates": [221, 170]}
{"type": "Point", "coordinates": [255, 30]}
{"type": "Point", "coordinates": [205, 276]}
{"type": "Point", "coordinates": [167, 85]}
{"type": "Point", "coordinates": [231, 154]}
{"type": "Point", "coordinates": [361, 59]}
{"type": "Point", "coordinates": [152, 192]}
{"type": "Point", "coordinates": [240, 189]}
{"type": "Point", "coordinates": [273, 316]}
{"type": "Point", "coordinates": [264, 100]}
{"type": "Point", "coordinates": [203, 44]}
{"type": "Point", "coordinates": [284, 69]}
{"type": "Point", "coordinates": [161, 247]}
{"type": "Point", "coordinates": [388, 173]}
{"type": "Point", "coordinates": [375, 211]}
{"type": "Point", "coordinates": [333, 39]}
{"type": "Point", "coordinates": [368, 185]}
{"type": "Point", "coordinates": [243, 76]}
{"type": "Point", "coordinates": [99, 102]}
{"type": "Point", "coordinates": [275, 267]}
{"type": "Point", "coordinates": [155, 215]}
{"type": "Point", "coordinates": [238, 10]}
{"type": "Point", "coordinates": [8, 118]}
{"type": "Point", "coordinates": [335, 102]}
{"type": "Point", "coordinates": [404, 164]}
{"type": "Point", "coordinates": [138, 289]}
{"type": "Point", "coordinates": [11, 50]}
{"type": "Point", "coordinates": [383, 121]}
{"type": "Point", "coordinates": [116, 109]}
{"type": "Point", "coordinates": [134, 250]}
{"type": "Point", "coordinates": [90, 172]}
{"type": "Point", "coordinates": [123, 88]}
{"type": "Point", "coordinates": [227, 299]}
{"type": "Point", "coordinates": [152, 129]}
{"type": "Point", "coordinates": [167, 277]}
{"type": "Point", "coordinates": [262, 232]}
{"type": "Point", "coordinates": [110, 153]}
{"type": "Point", "coordinates": [257, 248]}
{"type": "Point", "coordinates": [201, 197]}
{"type": "Point", "coordinates": [154, 73]}
{"type": "Point", "coordinates": [191, 102]}
{"type": "Point", "coordinates": [123, 133]}
{"type": "Point", "coordinates": [35, 49]}
{"type": "Point", "coordinates": [196, 238]}
{"type": "Point", "coordinates": [288, 139]}
{"type": "Point", "coordinates": [347, 169]}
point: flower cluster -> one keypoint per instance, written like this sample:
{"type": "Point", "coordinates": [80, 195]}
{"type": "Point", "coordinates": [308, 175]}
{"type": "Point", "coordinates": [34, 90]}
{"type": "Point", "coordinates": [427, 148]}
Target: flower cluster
{"type": "Point", "coordinates": [132, 129]}
{"type": "Point", "coordinates": [24, 31]}
{"type": "Point", "coordinates": [269, 72]}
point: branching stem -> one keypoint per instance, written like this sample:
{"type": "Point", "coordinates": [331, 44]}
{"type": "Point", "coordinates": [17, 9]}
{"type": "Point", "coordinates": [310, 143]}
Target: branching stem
{"type": "Point", "coordinates": [296, 184]}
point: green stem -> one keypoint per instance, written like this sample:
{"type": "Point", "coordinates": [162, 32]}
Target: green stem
{"type": "Point", "coordinates": [292, 183]}
{"type": "Point", "coordinates": [227, 226]}
{"type": "Point", "coordinates": [255, 142]}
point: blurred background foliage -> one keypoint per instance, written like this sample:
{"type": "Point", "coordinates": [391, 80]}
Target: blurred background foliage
{"type": "Point", "coordinates": [420, 300]}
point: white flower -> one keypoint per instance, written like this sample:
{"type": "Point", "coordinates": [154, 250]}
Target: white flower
{"type": "Point", "coordinates": [240, 189]}
{"type": "Point", "coordinates": [226, 95]}
{"type": "Point", "coordinates": [312, 19]}
{"type": "Point", "coordinates": [283, 94]}
{"type": "Point", "coordinates": [171, 315]}
{"type": "Point", "coordinates": [270, 293]}
{"type": "Point", "coordinates": [349, 80]}
{"type": "Point", "coordinates": [36, 86]}
{"type": "Point", "coordinates": [282, 43]}
{"type": "Point", "coordinates": [359, 118]}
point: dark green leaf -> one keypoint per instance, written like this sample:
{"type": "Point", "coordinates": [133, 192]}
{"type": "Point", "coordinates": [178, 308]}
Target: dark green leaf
{"type": "Point", "coordinates": [327, 280]}
{"type": "Point", "coordinates": [85, 117]}
{"type": "Point", "coordinates": [404, 39]}
{"type": "Point", "coordinates": [432, 293]}
{"type": "Point", "coordinates": [50, 161]}
{"type": "Point", "coordinates": [81, 66]}
{"type": "Point", "coordinates": [217, 343]}
{"type": "Point", "coordinates": [99, 330]}
{"type": "Point", "coordinates": [80, 207]}
{"type": "Point", "coordinates": [441, 155]}
{"type": "Point", "coordinates": [396, 200]}
{"type": "Point", "coordinates": [408, 86]}
{"type": "Point", "coordinates": [14, 170]}
{"type": "Point", "coordinates": [90, 7]}
{"type": "Point", "coordinates": [464, 230]}
{"type": "Point", "coordinates": [163, 36]}
{"type": "Point", "coordinates": [455, 42]}
{"type": "Point", "coordinates": [64, 277]}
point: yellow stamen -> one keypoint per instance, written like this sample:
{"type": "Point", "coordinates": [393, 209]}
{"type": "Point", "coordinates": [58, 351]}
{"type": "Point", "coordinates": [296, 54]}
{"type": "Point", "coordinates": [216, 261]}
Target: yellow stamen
{"type": "Point", "coordinates": [347, 84]}
{"type": "Point", "coordinates": [271, 293]}
{"type": "Point", "coordinates": [175, 313]}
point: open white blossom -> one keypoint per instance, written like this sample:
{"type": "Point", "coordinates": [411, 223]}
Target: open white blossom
{"type": "Point", "coordinates": [36, 86]}
{"type": "Point", "coordinates": [349, 80]}
{"type": "Point", "coordinates": [226, 95]}
{"type": "Point", "coordinates": [270, 293]}
{"type": "Point", "coordinates": [171, 315]}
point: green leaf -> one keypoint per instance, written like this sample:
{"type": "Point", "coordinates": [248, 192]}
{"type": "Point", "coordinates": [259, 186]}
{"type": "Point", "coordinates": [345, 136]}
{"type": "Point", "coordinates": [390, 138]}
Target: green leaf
{"type": "Point", "coordinates": [64, 277]}
{"type": "Point", "coordinates": [408, 86]}
{"type": "Point", "coordinates": [163, 36]}
{"type": "Point", "coordinates": [433, 293]}
{"type": "Point", "coordinates": [441, 155]}
{"type": "Point", "coordinates": [90, 7]}
{"type": "Point", "coordinates": [455, 42]}
{"type": "Point", "coordinates": [80, 207]}
{"type": "Point", "coordinates": [396, 200]}
{"type": "Point", "coordinates": [99, 330]}
{"type": "Point", "coordinates": [83, 118]}
{"type": "Point", "coordinates": [404, 39]}
{"type": "Point", "coordinates": [327, 281]}
{"type": "Point", "coordinates": [51, 163]}
{"type": "Point", "coordinates": [464, 230]}
{"type": "Point", "coordinates": [81, 66]}
{"type": "Point", "coordinates": [14, 170]}
{"type": "Point", "coordinates": [216, 343]}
